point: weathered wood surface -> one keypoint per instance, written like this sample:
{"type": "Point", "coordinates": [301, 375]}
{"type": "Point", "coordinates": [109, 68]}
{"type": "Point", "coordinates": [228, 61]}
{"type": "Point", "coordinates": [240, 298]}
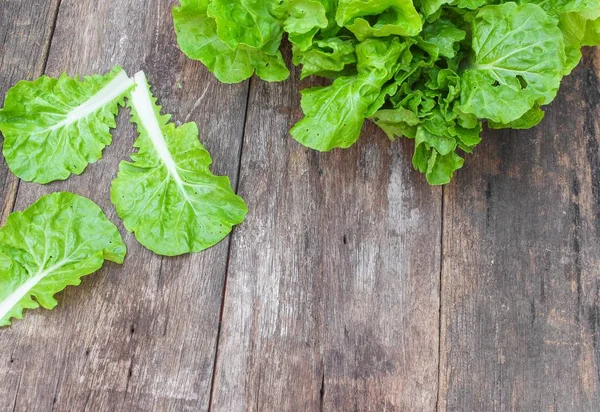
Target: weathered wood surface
{"type": "Point", "coordinates": [332, 288]}
{"type": "Point", "coordinates": [521, 268]}
{"type": "Point", "coordinates": [352, 285]}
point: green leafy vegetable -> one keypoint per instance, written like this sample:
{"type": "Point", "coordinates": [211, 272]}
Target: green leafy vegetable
{"type": "Point", "coordinates": [167, 195]}
{"type": "Point", "coordinates": [55, 127]}
{"type": "Point", "coordinates": [335, 114]}
{"type": "Point", "coordinates": [435, 71]}
{"type": "Point", "coordinates": [387, 17]}
{"type": "Point", "coordinates": [49, 246]}
{"type": "Point", "coordinates": [306, 17]}
{"type": "Point", "coordinates": [505, 81]}
{"type": "Point", "coordinates": [198, 38]}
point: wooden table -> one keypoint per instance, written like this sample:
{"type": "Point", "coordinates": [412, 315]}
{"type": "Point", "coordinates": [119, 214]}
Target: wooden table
{"type": "Point", "coordinates": [352, 286]}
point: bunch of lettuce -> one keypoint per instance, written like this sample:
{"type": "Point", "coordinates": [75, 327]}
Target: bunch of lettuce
{"type": "Point", "coordinates": [429, 70]}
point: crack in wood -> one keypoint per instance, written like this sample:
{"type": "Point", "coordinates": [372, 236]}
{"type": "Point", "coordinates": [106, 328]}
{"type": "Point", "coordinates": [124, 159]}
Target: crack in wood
{"type": "Point", "coordinates": [322, 390]}
{"type": "Point", "coordinates": [440, 292]}
{"type": "Point", "coordinates": [228, 257]}
{"type": "Point", "coordinates": [14, 407]}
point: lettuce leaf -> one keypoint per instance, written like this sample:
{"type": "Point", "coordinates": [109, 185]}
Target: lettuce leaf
{"type": "Point", "coordinates": [326, 58]}
{"type": "Point", "coordinates": [557, 7]}
{"type": "Point", "coordinates": [335, 114]}
{"type": "Point", "coordinates": [518, 60]}
{"type": "Point", "coordinates": [252, 23]}
{"type": "Point", "coordinates": [167, 195]}
{"type": "Point", "coordinates": [392, 17]}
{"type": "Point", "coordinates": [445, 35]}
{"type": "Point", "coordinates": [49, 246]}
{"type": "Point", "coordinates": [55, 127]}
{"type": "Point", "coordinates": [198, 39]}
{"type": "Point", "coordinates": [578, 30]}
{"type": "Point", "coordinates": [306, 18]}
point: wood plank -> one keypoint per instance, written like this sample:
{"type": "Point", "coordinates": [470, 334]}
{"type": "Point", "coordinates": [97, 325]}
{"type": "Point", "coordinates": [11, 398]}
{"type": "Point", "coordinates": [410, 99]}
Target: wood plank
{"type": "Point", "coordinates": [142, 336]}
{"type": "Point", "coordinates": [24, 44]}
{"type": "Point", "coordinates": [25, 33]}
{"type": "Point", "coordinates": [521, 278]}
{"type": "Point", "coordinates": [332, 295]}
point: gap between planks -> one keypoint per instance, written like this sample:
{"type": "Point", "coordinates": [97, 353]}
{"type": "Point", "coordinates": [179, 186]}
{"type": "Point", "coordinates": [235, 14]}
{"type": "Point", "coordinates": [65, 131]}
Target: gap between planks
{"type": "Point", "coordinates": [229, 247]}
{"type": "Point", "coordinates": [440, 290]}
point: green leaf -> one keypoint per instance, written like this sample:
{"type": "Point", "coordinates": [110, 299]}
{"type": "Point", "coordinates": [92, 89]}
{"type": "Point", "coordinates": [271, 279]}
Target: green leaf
{"type": "Point", "coordinates": [397, 122]}
{"type": "Point", "coordinates": [578, 31]}
{"type": "Point", "coordinates": [592, 33]}
{"type": "Point", "coordinates": [247, 22]}
{"type": "Point", "coordinates": [55, 127]}
{"type": "Point", "coordinates": [467, 137]}
{"type": "Point", "coordinates": [326, 58]}
{"type": "Point", "coordinates": [557, 7]}
{"type": "Point", "coordinates": [306, 17]}
{"type": "Point", "coordinates": [530, 119]}
{"type": "Point", "coordinates": [392, 17]}
{"type": "Point", "coordinates": [471, 4]}
{"type": "Point", "coordinates": [334, 115]}
{"type": "Point", "coordinates": [49, 246]}
{"type": "Point", "coordinates": [197, 37]}
{"type": "Point", "coordinates": [430, 7]}
{"type": "Point", "coordinates": [518, 60]}
{"type": "Point", "coordinates": [167, 195]}
{"type": "Point", "coordinates": [445, 35]}
{"type": "Point", "coordinates": [435, 157]}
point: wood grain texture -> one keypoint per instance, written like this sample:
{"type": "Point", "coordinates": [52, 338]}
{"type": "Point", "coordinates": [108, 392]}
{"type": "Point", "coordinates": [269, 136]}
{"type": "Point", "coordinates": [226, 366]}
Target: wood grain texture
{"type": "Point", "coordinates": [521, 278]}
{"type": "Point", "coordinates": [24, 43]}
{"type": "Point", "coordinates": [26, 29]}
{"type": "Point", "coordinates": [139, 337]}
{"type": "Point", "coordinates": [332, 295]}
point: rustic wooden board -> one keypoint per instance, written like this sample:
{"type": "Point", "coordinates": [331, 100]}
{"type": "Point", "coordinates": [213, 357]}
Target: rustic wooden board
{"type": "Point", "coordinates": [24, 44]}
{"type": "Point", "coordinates": [332, 295]}
{"type": "Point", "coordinates": [26, 29]}
{"type": "Point", "coordinates": [521, 272]}
{"type": "Point", "coordinates": [142, 336]}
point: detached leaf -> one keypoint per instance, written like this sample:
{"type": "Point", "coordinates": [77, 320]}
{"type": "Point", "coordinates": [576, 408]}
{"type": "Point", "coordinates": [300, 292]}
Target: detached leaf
{"type": "Point", "coordinates": [518, 60]}
{"type": "Point", "coordinates": [167, 195]}
{"type": "Point", "coordinates": [49, 246]}
{"type": "Point", "coordinates": [55, 127]}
